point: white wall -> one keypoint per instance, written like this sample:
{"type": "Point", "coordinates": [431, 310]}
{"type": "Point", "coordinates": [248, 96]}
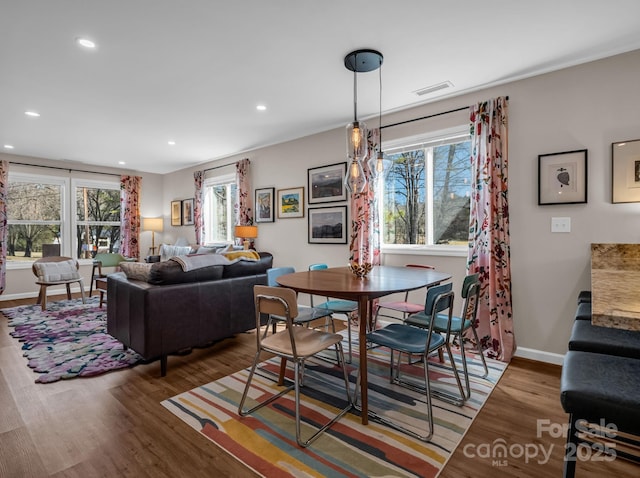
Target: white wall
{"type": "Point", "coordinates": [588, 106]}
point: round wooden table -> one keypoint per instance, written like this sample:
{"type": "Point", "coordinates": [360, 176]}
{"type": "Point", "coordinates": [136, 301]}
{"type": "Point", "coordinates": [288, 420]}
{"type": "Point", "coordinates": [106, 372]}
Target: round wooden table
{"type": "Point", "coordinates": [341, 283]}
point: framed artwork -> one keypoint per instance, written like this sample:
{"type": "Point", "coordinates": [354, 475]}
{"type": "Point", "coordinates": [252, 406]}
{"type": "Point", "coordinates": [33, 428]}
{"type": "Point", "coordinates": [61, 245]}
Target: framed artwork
{"type": "Point", "coordinates": [625, 157]}
{"type": "Point", "coordinates": [562, 178]}
{"type": "Point", "coordinates": [328, 225]}
{"type": "Point", "coordinates": [176, 213]}
{"type": "Point", "coordinates": [187, 212]}
{"type": "Point", "coordinates": [326, 184]}
{"type": "Point", "coordinates": [264, 201]}
{"type": "Point", "coordinates": [291, 202]}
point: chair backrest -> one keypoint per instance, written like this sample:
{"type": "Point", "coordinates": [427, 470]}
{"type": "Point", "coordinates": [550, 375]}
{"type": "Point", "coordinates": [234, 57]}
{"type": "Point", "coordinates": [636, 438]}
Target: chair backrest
{"type": "Point", "coordinates": [275, 272]}
{"type": "Point", "coordinates": [55, 268]}
{"type": "Point", "coordinates": [420, 266]}
{"type": "Point", "coordinates": [471, 294]}
{"type": "Point", "coordinates": [432, 294]}
{"type": "Point", "coordinates": [109, 259]}
{"type": "Point", "coordinates": [318, 267]}
{"type": "Point", "coordinates": [280, 301]}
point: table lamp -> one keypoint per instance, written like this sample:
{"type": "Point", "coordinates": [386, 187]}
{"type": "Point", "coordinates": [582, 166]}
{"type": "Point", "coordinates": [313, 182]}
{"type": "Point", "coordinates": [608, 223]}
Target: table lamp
{"type": "Point", "coordinates": [247, 233]}
{"type": "Point", "coordinates": [153, 224]}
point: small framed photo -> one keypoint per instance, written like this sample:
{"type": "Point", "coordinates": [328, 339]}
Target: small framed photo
{"type": "Point", "coordinates": [625, 157]}
{"type": "Point", "coordinates": [176, 213]}
{"type": "Point", "coordinates": [187, 212]}
{"type": "Point", "coordinates": [291, 202]}
{"type": "Point", "coordinates": [264, 201]}
{"type": "Point", "coordinates": [326, 184]}
{"type": "Point", "coordinates": [328, 225]}
{"type": "Point", "coordinates": [562, 178]}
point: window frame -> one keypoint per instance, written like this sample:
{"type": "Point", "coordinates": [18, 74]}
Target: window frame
{"type": "Point", "coordinates": [211, 181]}
{"type": "Point", "coordinates": [432, 139]}
{"type": "Point", "coordinates": [65, 230]}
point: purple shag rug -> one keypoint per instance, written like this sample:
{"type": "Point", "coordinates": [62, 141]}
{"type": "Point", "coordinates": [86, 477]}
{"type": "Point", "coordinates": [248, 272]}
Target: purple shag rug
{"type": "Point", "coordinates": [68, 340]}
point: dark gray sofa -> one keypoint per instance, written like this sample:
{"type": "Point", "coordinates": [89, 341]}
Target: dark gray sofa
{"type": "Point", "coordinates": [174, 310]}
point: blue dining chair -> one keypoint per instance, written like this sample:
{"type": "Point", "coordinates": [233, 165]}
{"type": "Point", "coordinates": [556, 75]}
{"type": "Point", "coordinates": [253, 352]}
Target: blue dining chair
{"type": "Point", "coordinates": [348, 308]}
{"type": "Point", "coordinates": [412, 340]}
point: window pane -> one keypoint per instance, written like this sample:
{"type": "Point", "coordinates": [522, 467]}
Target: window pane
{"type": "Point", "coordinates": [101, 239]}
{"type": "Point", "coordinates": [24, 241]}
{"type": "Point", "coordinates": [404, 199]}
{"type": "Point", "coordinates": [451, 192]}
{"type": "Point", "coordinates": [33, 202]}
{"type": "Point", "coordinates": [426, 193]}
{"type": "Point", "coordinates": [218, 213]}
{"type": "Point", "coordinates": [95, 204]}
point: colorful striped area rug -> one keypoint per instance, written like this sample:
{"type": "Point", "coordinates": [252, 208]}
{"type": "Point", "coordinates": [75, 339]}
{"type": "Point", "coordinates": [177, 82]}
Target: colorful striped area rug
{"type": "Point", "coordinates": [265, 441]}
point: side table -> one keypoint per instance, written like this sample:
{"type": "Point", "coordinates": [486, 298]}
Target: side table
{"type": "Point", "coordinates": [101, 286]}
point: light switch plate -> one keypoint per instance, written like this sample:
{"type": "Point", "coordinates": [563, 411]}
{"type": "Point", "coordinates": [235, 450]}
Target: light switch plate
{"type": "Point", "coordinates": [560, 224]}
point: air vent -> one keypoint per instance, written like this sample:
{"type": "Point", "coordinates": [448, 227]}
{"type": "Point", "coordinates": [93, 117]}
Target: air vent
{"type": "Point", "coordinates": [433, 88]}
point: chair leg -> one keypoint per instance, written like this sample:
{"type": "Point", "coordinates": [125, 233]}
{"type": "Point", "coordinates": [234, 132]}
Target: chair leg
{"type": "Point", "coordinates": [479, 347]}
{"type": "Point", "coordinates": [42, 297]}
{"type": "Point", "coordinates": [82, 293]}
{"type": "Point", "coordinates": [570, 450]}
{"type": "Point", "coordinates": [68, 291]}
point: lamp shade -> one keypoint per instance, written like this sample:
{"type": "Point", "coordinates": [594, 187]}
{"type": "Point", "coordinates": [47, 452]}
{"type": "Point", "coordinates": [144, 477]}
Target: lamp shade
{"type": "Point", "coordinates": [152, 224]}
{"type": "Point", "coordinates": [247, 232]}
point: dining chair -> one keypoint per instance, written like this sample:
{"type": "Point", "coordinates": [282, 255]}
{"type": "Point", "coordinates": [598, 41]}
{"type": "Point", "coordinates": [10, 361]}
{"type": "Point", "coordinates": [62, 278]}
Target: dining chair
{"type": "Point", "coordinates": [412, 340]}
{"type": "Point", "coordinates": [457, 326]}
{"type": "Point", "coordinates": [348, 308]}
{"type": "Point", "coordinates": [56, 270]}
{"type": "Point", "coordinates": [404, 307]}
{"type": "Point", "coordinates": [295, 344]}
{"type": "Point", "coordinates": [306, 314]}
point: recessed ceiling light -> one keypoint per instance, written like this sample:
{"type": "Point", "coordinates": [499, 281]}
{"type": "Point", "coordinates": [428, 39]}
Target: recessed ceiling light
{"type": "Point", "coordinates": [32, 114]}
{"type": "Point", "coordinates": [171, 143]}
{"type": "Point", "coordinates": [86, 43]}
{"type": "Point", "coordinates": [121, 162]}
{"type": "Point", "coordinates": [261, 108]}
{"type": "Point", "coordinates": [8, 146]}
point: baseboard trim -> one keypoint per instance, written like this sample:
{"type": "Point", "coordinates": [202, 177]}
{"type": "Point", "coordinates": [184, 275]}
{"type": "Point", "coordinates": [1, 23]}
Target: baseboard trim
{"type": "Point", "coordinates": [539, 355]}
{"type": "Point", "coordinates": [34, 295]}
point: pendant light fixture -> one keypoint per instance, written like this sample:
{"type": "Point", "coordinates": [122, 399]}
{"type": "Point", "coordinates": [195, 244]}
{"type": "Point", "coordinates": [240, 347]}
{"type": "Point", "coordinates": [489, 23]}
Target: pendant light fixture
{"type": "Point", "coordinates": [377, 164]}
{"type": "Point", "coordinates": [358, 61]}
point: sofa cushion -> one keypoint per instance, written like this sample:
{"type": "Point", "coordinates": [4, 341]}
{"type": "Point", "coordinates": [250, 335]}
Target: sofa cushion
{"type": "Point", "coordinates": [247, 268]}
{"type": "Point", "coordinates": [170, 272]}
{"type": "Point", "coordinates": [136, 270]}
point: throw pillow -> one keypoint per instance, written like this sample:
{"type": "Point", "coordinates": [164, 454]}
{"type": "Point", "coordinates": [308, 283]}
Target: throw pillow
{"type": "Point", "coordinates": [56, 271]}
{"type": "Point", "coordinates": [136, 270]}
{"type": "Point", "coordinates": [245, 255]}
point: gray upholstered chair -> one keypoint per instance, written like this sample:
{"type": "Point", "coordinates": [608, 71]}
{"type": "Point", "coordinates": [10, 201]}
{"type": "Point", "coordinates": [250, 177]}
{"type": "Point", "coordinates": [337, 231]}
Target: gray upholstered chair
{"type": "Point", "coordinates": [56, 270]}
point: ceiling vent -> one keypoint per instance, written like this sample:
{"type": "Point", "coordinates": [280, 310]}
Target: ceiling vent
{"type": "Point", "coordinates": [433, 88]}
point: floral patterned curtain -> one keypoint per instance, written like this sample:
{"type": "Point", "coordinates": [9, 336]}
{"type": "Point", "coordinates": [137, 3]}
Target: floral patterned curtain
{"type": "Point", "coordinates": [489, 249]}
{"type": "Point", "coordinates": [242, 208]}
{"type": "Point", "coordinates": [4, 186]}
{"type": "Point", "coordinates": [364, 241]}
{"type": "Point", "coordinates": [130, 215]}
{"type": "Point", "coordinates": [198, 177]}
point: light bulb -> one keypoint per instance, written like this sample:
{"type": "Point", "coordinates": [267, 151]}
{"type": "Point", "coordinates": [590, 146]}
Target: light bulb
{"type": "Point", "coordinates": [355, 180]}
{"type": "Point", "coordinates": [356, 140]}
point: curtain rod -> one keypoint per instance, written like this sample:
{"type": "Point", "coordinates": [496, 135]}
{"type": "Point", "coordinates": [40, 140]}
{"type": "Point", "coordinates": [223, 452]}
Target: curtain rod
{"type": "Point", "coordinates": [218, 167]}
{"type": "Point", "coordinates": [63, 169]}
{"type": "Point", "coordinates": [427, 117]}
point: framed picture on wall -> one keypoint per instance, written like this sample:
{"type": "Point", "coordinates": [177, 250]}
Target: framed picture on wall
{"type": "Point", "coordinates": [176, 213]}
{"type": "Point", "coordinates": [326, 184]}
{"type": "Point", "coordinates": [328, 225]}
{"type": "Point", "coordinates": [291, 202]}
{"type": "Point", "coordinates": [625, 168]}
{"type": "Point", "coordinates": [187, 212]}
{"type": "Point", "coordinates": [264, 202]}
{"type": "Point", "coordinates": [562, 178]}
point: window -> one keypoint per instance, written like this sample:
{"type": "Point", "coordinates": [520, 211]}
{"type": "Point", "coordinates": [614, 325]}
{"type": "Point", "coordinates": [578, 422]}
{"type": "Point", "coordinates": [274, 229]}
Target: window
{"type": "Point", "coordinates": [58, 216]}
{"type": "Point", "coordinates": [35, 207]}
{"type": "Point", "coordinates": [97, 218]}
{"type": "Point", "coordinates": [219, 197]}
{"type": "Point", "coordinates": [426, 190]}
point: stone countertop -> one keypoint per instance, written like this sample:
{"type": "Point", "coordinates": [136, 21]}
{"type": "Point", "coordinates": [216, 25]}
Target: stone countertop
{"type": "Point", "coordinates": [615, 285]}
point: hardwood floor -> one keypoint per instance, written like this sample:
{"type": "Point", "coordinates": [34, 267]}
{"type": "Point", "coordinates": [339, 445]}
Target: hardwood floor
{"type": "Point", "coordinates": [114, 425]}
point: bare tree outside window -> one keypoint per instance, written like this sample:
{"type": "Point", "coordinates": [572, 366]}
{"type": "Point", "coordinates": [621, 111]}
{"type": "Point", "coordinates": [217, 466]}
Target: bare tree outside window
{"type": "Point", "coordinates": [426, 195]}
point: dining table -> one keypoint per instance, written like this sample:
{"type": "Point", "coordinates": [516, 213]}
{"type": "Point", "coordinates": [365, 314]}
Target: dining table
{"type": "Point", "coordinates": [342, 283]}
